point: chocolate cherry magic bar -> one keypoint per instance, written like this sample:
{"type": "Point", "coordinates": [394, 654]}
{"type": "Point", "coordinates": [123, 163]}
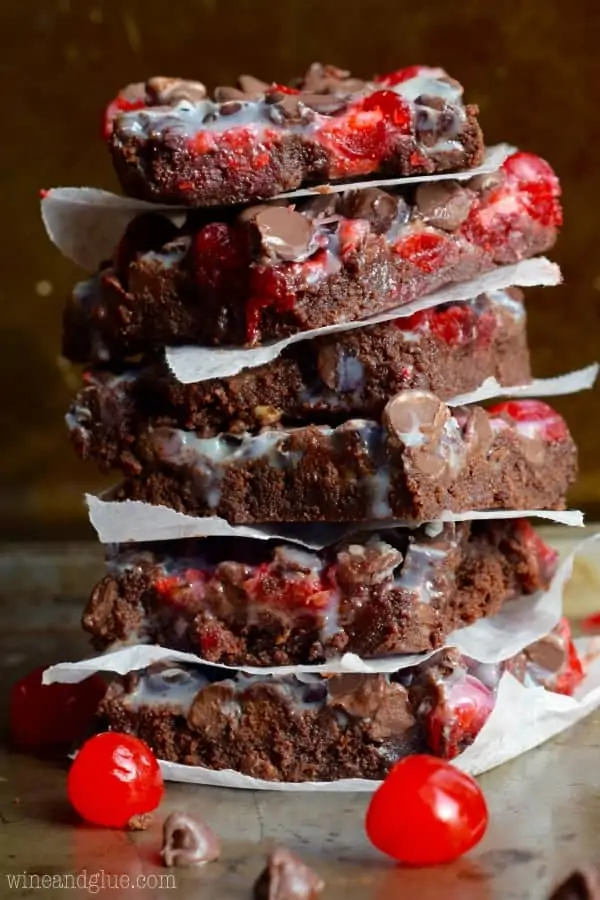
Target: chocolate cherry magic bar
{"type": "Point", "coordinates": [422, 460]}
{"type": "Point", "coordinates": [448, 350]}
{"type": "Point", "coordinates": [274, 270]}
{"type": "Point", "coordinates": [172, 144]}
{"type": "Point", "coordinates": [325, 728]}
{"type": "Point", "coordinates": [241, 601]}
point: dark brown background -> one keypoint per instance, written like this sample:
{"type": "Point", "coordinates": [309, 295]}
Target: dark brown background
{"type": "Point", "coordinates": [533, 67]}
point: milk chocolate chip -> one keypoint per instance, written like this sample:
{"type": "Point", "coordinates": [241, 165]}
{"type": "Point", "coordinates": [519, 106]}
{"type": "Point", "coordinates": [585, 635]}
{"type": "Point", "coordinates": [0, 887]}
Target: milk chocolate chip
{"type": "Point", "coordinates": [206, 714]}
{"type": "Point", "coordinates": [444, 204]}
{"type": "Point", "coordinates": [549, 653]}
{"type": "Point", "coordinates": [286, 877]}
{"type": "Point", "coordinates": [416, 417]}
{"type": "Point", "coordinates": [170, 91]}
{"type": "Point", "coordinates": [284, 234]}
{"type": "Point", "coordinates": [583, 884]}
{"type": "Point", "coordinates": [374, 698]}
{"type": "Point", "coordinates": [376, 206]}
{"type": "Point", "coordinates": [188, 841]}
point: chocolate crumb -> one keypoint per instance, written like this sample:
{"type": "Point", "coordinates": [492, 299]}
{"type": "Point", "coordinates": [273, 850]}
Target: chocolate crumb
{"type": "Point", "coordinates": [140, 822]}
{"type": "Point", "coordinates": [286, 877]}
{"type": "Point", "coordinates": [583, 884]}
{"type": "Point", "coordinates": [188, 841]}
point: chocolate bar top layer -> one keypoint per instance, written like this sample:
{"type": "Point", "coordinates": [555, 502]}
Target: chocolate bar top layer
{"type": "Point", "coordinates": [171, 143]}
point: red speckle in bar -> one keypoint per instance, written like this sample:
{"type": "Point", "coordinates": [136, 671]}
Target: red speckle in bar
{"type": "Point", "coordinates": [545, 421]}
{"type": "Point", "coordinates": [425, 249]}
{"type": "Point", "coordinates": [405, 74]}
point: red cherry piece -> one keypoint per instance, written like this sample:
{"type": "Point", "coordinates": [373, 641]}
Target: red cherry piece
{"type": "Point", "coordinates": [266, 585]}
{"type": "Point", "coordinates": [118, 105]}
{"type": "Point", "coordinates": [276, 88]}
{"type": "Point", "coordinates": [454, 325]}
{"type": "Point", "coordinates": [532, 418]}
{"type": "Point", "coordinates": [538, 185]}
{"type": "Point", "coordinates": [426, 813]}
{"type": "Point", "coordinates": [219, 256]}
{"type": "Point", "coordinates": [351, 234]}
{"type": "Point", "coordinates": [113, 778]}
{"type": "Point", "coordinates": [426, 250]}
{"type": "Point", "coordinates": [455, 723]}
{"type": "Point", "coordinates": [397, 112]}
{"type": "Point", "coordinates": [546, 555]}
{"type": "Point", "coordinates": [400, 75]}
{"type": "Point", "coordinates": [573, 672]}
{"type": "Point", "coordinates": [591, 622]}
{"type": "Point", "coordinates": [48, 716]}
{"type": "Point", "coordinates": [269, 286]}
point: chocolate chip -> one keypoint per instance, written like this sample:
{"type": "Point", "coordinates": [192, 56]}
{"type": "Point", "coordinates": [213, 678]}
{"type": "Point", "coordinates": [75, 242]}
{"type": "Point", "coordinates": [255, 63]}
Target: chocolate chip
{"type": "Point", "coordinates": [325, 104]}
{"type": "Point", "coordinates": [284, 233]}
{"type": "Point", "coordinates": [323, 206]}
{"type": "Point", "coordinates": [251, 85]}
{"type": "Point", "coordinates": [224, 94]}
{"type": "Point", "coordinates": [478, 431]}
{"type": "Point", "coordinates": [286, 877]}
{"type": "Point", "coordinates": [135, 92]}
{"type": "Point", "coordinates": [384, 705]}
{"type": "Point", "coordinates": [549, 653]}
{"type": "Point", "coordinates": [418, 419]}
{"type": "Point", "coordinates": [188, 841]}
{"type": "Point", "coordinates": [583, 884]}
{"type": "Point", "coordinates": [415, 417]}
{"type": "Point", "coordinates": [486, 182]}
{"type": "Point", "coordinates": [170, 91]}
{"type": "Point", "coordinates": [379, 207]}
{"type": "Point", "coordinates": [288, 108]}
{"type": "Point", "coordinates": [444, 204]}
{"type": "Point", "coordinates": [206, 714]}
{"type": "Point", "coordinates": [327, 79]}
{"type": "Point", "coordinates": [230, 108]}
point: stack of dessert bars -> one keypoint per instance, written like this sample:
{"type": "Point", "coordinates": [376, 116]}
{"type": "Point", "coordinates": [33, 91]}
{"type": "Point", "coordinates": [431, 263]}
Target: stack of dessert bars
{"type": "Point", "coordinates": [312, 285]}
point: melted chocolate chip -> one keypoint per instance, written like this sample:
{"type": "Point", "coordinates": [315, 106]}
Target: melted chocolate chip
{"type": "Point", "coordinates": [251, 85]}
{"type": "Point", "coordinates": [374, 698]}
{"type": "Point", "coordinates": [444, 204]}
{"type": "Point", "coordinates": [284, 234]}
{"type": "Point", "coordinates": [170, 91]}
{"type": "Point", "coordinates": [327, 79]}
{"type": "Point", "coordinates": [583, 884]}
{"type": "Point", "coordinates": [224, 94]}
{"type": "Point", "coordinates": [417, 419]}
{"type": "Point", "coordinates": [549, 653]}
{"type": "Point", "coordinates": [188, 841]}
{"type": "Point", "coordinates": [376, 206]}
{"type": "Point", "coordinates": [286, 877]}
{"type": "Point", "coordinates": [326, 104]}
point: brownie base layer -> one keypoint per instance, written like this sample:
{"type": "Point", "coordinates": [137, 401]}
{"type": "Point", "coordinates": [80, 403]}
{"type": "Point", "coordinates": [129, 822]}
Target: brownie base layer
{"type": "Point", "coordinates": [273, 270]}
{"type": "Point", "coordinates": [422, 461]}
{"type": "Point", "coordinates": [256, 143]}
{"type": "Point", "coordinates": [448, 350]}
{"type": "Point", "coordinates": [239, 602]}
{"type": "Point", "coordinates": [344, 726]}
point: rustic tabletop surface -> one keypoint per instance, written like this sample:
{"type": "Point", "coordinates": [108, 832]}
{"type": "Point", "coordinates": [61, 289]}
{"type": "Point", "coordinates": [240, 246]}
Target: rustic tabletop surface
{"type": "Point", "coordinates": [544, 806]}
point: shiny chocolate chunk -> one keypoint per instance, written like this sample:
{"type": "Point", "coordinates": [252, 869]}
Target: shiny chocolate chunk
{"type": "Point", "coordinates": [415, 417]}
{"type": "Point", "coordinates": [225, 94]}
{"type": "Point", "coordinates": [583, 884]}
{"type": "Point", "coordinates": [286, 877]}
{"type": "Point", "coordinates": [327, 79]}
{"type": "Point", "coordinates": [207, 713]}
{"type": "Point", "coordinates": [376, 206]}
{"type": "Point", "coordinates": [188, 841]}
{"type": "Point", "coordinates": [284, 234]}
{"type": "Point", "coordinates": [444, 204]}
{"type": "Point", "coordinates": [375, 698]}
{"type": "Point", "coordinates": [549, 653]}
{"type": "Point", "coordinates": [170, 91]}
{"type": "Point", "coordinates": [325, 104]}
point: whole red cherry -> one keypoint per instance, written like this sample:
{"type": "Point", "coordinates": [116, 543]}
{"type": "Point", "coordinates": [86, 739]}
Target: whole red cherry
{"type": "Point", "coordinates": [113, 778]}
{"type": "Point", "coordinates": [50, 716]}
{"type": "Point", "coordinates": [426, 812]}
